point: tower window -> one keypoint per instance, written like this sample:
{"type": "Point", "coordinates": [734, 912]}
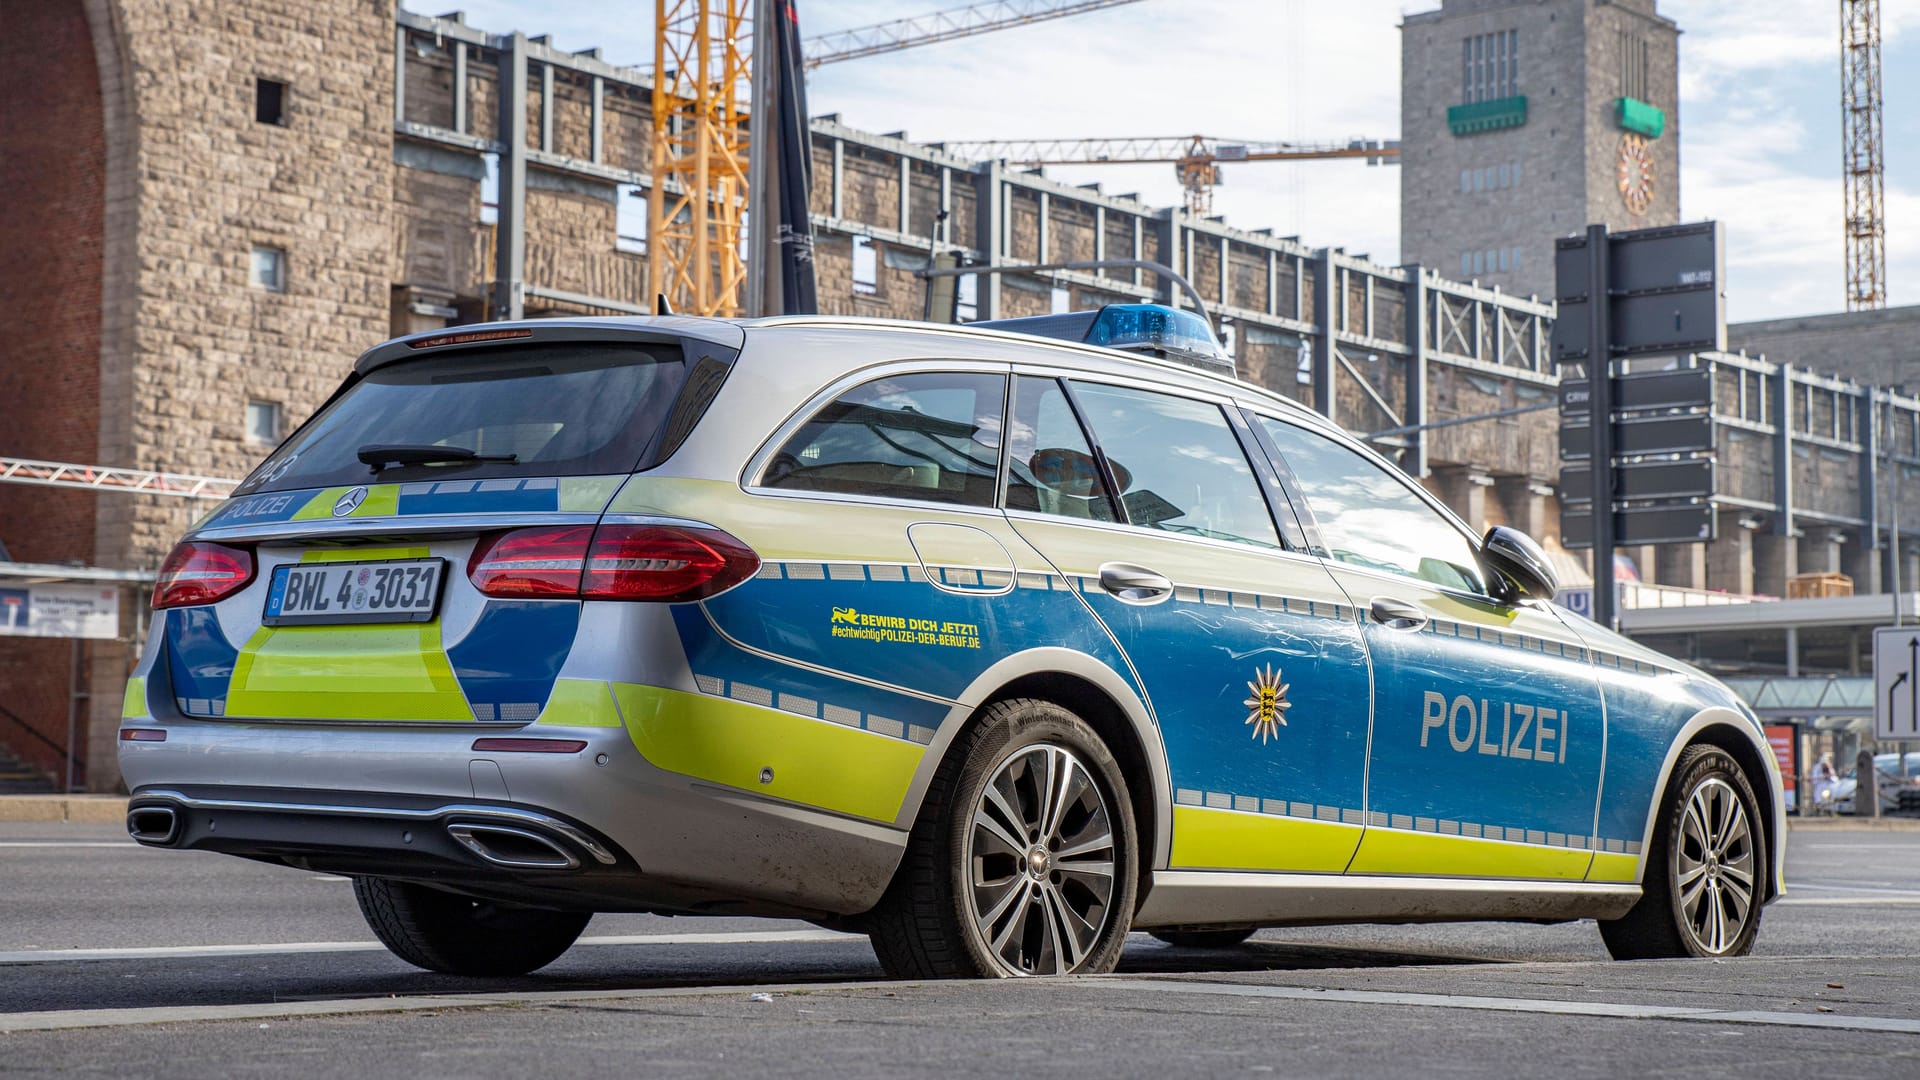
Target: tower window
{"type": "Point", "coordinates": [270, 102]}
{"type": "Point", "coordinates": [1490, 66]}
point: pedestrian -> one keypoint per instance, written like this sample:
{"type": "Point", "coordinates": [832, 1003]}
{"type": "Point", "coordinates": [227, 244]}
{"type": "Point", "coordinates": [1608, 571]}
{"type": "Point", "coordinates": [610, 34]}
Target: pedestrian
{"type": "Point", "coordinates": [1824, 780]}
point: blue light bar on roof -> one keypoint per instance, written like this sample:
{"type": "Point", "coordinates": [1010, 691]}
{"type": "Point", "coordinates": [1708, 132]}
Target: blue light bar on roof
{"type": "Point", "coordinates": [1155, 329]}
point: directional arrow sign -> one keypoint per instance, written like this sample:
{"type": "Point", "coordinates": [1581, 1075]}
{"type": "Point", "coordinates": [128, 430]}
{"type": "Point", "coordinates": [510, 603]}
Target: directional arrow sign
{"type": "Point", "coordinates": [1896, 682]}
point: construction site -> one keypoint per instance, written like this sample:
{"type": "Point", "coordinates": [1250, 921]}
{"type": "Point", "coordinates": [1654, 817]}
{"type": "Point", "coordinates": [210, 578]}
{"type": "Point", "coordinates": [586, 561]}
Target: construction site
{"type": "Point", "coordinates": [236, 199]}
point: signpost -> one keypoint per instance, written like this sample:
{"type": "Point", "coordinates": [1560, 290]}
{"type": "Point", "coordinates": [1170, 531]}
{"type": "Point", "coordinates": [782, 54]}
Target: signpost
{"type": "Point", "coordinates": [1896, 683]}
{"type": "Point", "coordinates": [1637, 294]}
{"type": "Point", "coordinates": [62, 611]}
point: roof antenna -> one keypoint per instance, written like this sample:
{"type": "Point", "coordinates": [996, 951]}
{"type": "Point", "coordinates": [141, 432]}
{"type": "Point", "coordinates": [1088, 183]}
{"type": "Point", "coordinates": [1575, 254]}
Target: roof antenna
{"type": "Point", "coordinates": [660, 305]}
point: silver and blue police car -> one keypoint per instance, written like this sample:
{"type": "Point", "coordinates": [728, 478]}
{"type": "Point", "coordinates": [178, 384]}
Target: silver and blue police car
{"type": "Point", "coordinates": [993, 642]}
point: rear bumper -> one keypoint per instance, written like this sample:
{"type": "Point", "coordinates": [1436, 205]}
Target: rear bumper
{"type": "Point", "coordinates": [602, 829]}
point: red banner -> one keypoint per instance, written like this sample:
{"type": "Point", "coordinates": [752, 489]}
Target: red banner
{"type": "Point", "coordinates": [1785, 740]}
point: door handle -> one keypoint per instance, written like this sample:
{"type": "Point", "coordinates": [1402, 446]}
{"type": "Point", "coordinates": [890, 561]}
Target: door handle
{"type": "Point", "coordinates": [1132, 584]}
{"type": "Point", "coordinates": [1396, 614]}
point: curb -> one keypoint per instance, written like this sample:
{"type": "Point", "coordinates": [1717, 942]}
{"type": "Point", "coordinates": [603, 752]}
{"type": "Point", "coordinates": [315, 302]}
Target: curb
{"type": "Point", "coordinates": [1853, 824]}
{"type": "Point", "coordinates": [88, 809]}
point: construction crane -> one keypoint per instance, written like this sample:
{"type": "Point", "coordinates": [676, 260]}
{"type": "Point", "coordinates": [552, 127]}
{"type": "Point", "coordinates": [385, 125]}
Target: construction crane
{"type": "Point", "coordinates": [703, 70]}
{"type": "Point", "coordinates": [1195, 158]}
{"type": "Point", "coordinates": [942, 26]}
{"type": "Point", "coordinates": [1864, 167]}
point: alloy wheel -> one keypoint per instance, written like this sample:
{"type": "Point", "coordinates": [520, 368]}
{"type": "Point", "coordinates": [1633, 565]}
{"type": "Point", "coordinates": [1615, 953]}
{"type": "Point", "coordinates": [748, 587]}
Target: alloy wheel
{"type": "Point", "coordinates": [1713, 871]}
{"type": "Point", "coordinates": [1040, 855]}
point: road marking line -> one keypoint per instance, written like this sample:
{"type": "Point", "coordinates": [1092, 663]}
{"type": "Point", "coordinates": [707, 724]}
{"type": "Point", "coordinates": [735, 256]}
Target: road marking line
{"type": "Point", "coordinates": [188, 952]}
{"type": "Point", "coordinates": [96, 1018]}
{"type": "Point", "coordinates": [126, 844]}
{"type": "Point", "coordinates": [1792, 885]}
{"type": "Point", "coordinates": [1619, 1010]}
{"type": "Point", "coordinates": [1842, 901]}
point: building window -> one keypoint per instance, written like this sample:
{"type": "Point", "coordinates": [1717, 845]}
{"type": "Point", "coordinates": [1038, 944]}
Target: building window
{"type": "Point", "coordinates": [263, 422]}
{"type": "Point", "coordinates": [268, 269]}
{"type": "Point", "coordinates": [630, 220]}
{"type": "Point", "coordinates": [1490, 66]}
{"type": "Point", "coordinates": [866, 267]}
{"type": "Point", "coordinates": [1466, 181]}
{"type": "Point", "coordinates": [1060, 300]}
{"type": "Point", "coordinates": [966, 307]}
{"type": "Point", "coordinates": [490, 190]}
{"type": "Point", "coordinates": [270, 102]}
{"type": "Point", "coordinates": [1466, 264]}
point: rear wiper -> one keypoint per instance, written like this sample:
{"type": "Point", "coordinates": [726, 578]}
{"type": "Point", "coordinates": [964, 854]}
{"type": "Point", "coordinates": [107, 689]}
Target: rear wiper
{"type": "Point", "coordinates": [381, 456]}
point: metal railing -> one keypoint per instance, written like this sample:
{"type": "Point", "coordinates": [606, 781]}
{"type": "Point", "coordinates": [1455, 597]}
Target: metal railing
{"type": "Point", "coordinates": [77, 768]}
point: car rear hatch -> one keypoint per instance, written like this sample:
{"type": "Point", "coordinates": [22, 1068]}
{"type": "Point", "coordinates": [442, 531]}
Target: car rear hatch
{"type": "Point", "coordinates": [404, 556]}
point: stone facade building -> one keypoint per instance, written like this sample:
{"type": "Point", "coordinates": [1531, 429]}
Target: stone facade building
{"type": "Point", "coordinates": [1525, 120]}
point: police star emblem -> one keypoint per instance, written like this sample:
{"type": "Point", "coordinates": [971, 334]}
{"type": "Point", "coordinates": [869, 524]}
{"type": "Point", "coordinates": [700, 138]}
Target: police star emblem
{"type": "Point", "coordinates": [1267, 708]}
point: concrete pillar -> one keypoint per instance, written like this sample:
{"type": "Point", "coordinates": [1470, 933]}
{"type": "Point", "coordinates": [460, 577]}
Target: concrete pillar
{"type": "Point", "coordinates": [1730, 558]}
{"type": "Point", "coordinates": [1684, 565]}
{"type": "Point", "coordinates": [1464, 489]}
{"type": "Point", "coordinates": [1820, 550]}
{"type": "Point", "coordinates": [1524, 498]}
{"type": "Point", "coordinates": [1862, 564]}
{"type": "Point", "coordinates": [1775, 560]}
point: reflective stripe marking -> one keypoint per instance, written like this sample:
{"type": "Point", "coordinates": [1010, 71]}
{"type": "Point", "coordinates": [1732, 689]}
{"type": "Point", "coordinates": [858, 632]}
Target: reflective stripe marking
{"type": "Point", "coordinates": [714, 686]}
{"type": "Point", "coordinates": [1231, 840]}
{"type": "Point", "coordinates": [133, 704]}
{"type": "Point", "coordinates": [378, 671]}
{"type": "Point", "coordinates": [335, 555]}
{"type": "Point", "coordinates": [764, 750]}
{"type": "Point", "coordinates": [579, 703]}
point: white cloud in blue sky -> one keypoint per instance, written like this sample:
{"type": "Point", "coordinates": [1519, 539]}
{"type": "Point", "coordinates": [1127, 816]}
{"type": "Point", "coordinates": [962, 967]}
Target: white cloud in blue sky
{"type": "Point", "coordinates": [1760, 111]}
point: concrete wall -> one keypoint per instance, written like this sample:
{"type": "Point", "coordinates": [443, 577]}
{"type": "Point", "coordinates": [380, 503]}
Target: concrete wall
{"type": "Point", "coordinates": [1879, 347]}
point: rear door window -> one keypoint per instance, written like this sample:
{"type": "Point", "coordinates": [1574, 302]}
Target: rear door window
{"type": "Point", "coordinates": [929, 436]}
{"type": "Point", "coordinates": [530, 410]}
{"type": "Point", "coordinates": [1178, 463]}
{"type": "Point", "coordinates": [1050, 466]}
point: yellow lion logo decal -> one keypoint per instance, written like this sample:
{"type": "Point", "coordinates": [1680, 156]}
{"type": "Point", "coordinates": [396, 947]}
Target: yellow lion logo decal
{"type": "Point", "coordinates": [845, 615]}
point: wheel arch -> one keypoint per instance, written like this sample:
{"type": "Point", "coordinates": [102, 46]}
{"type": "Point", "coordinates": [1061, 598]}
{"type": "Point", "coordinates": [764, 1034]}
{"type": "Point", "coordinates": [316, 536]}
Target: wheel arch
{"type": "Point", "coordinates": [1107, 702]}
{"type": "Point", "coordinates": [1728, 730]}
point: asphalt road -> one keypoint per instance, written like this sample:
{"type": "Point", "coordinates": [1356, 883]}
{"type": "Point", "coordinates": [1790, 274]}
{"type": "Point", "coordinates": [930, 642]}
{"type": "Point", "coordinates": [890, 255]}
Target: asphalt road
{"type": "Point", "coordinates": [116, 959]}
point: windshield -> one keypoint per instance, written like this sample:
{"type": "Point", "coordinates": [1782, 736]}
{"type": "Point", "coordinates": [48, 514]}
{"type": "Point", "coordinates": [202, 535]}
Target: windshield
{"type": "Point", "coordinates": [529, 410]}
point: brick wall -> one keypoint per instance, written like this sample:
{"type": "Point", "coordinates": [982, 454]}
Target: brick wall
{"type": "Point", "coordinates": [53, 171]}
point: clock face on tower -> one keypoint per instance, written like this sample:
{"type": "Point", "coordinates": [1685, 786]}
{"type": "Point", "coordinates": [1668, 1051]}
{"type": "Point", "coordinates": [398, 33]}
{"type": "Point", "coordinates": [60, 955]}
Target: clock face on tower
{"type": "Point", "coordinates": [1636, 174]}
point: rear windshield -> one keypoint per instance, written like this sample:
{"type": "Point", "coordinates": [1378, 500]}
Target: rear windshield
{"type": "Point", "coordinates": [529, 410]}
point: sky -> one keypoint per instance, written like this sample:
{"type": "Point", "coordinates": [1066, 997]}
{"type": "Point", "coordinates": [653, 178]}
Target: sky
{"type": "Point", "coordinates": [1759, 111]}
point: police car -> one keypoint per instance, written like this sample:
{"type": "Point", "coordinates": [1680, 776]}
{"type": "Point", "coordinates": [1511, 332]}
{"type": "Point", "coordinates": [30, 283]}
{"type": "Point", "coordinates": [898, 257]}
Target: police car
{"type": "Point", "coordinates": [994, 642]}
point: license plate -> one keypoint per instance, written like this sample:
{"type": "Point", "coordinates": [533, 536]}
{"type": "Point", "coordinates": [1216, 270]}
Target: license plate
{"type": "Point", "coordinates": [401, 590]}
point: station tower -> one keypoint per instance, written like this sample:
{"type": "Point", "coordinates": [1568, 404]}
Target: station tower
{"type": "Point", "coordinates": [1526, 120]}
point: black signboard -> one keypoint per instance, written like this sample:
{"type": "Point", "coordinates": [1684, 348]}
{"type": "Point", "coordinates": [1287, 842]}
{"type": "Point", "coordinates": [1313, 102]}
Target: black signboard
{"type": "Point", "coordinates": [1685, 479]}
{"type": "Point", "coordinates": [1677, 523]}
{"type": "Point", "coordinates": [1689, 433]}
{"type": "Point", "coordinates": [1687, 388]}
{"type": "Point", "coordinates": [1665, 292]}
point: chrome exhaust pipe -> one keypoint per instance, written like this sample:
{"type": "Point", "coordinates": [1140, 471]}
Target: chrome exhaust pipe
{"type": "Point", "coordinates": [159, 825]}
{"type": "Point", "coordinates": [519, 849]}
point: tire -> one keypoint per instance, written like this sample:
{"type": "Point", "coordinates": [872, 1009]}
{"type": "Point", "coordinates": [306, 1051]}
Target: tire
{"type": "Point", "coordinates": [967, 903]}
{"type": "Point", "coordinates": [1203, 939]}
{"type": "Point", "coordinates": [1699, 895]}
{"type": "Point", "coordinates": [457, 935]}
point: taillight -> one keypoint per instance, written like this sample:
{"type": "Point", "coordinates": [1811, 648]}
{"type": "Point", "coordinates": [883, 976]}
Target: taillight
{"type": "Point", "coordinates": [199, 573]}
{"type": "Point", "coordinates": [535, 563]}
{"type": "Point", "coordinates": [664, 563]}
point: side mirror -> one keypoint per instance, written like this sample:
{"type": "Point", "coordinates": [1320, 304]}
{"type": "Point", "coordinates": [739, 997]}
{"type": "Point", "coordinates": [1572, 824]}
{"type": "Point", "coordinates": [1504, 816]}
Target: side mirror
{"type": "Point", "coordinates": [1518, 566]}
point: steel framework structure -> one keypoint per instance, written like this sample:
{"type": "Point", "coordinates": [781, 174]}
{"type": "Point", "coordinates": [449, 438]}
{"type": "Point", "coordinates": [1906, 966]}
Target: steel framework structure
{"type": "Point", "coordinates": [941, 26]}
{"type": "Point", "coordinates": [695, 222]}
{"type": "Point", "coordinates": [103, 478]}
{"type": "Point", "coordinates": [1861, 158]}
{"type": "Point", "coordinates": [1195, 158]}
